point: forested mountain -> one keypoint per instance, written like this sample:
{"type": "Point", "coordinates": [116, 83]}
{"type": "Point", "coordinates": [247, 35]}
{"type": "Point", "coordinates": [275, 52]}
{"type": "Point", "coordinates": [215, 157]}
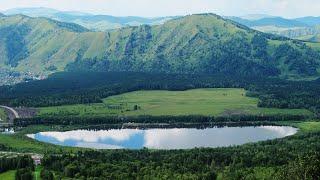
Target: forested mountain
{"type": "Point", "coordinates": [90, 21]}
{"type": "Point", "coordinates": [36, 45]}
{"type": "Point", "coordinates": [204, 43]}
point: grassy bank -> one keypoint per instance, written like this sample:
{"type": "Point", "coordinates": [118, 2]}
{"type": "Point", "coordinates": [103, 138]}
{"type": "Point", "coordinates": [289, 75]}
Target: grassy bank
{"type": "Point", "coordinates": [9, 175]}
{"type": "Point", "coordinates": [19, 142]}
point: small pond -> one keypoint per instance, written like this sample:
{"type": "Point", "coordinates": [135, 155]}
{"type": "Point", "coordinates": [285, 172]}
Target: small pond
{"type": "Point", "coordinates": [164, 138]}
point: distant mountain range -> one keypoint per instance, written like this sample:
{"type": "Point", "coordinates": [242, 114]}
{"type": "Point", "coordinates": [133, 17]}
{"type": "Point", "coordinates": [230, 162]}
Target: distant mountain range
{"type": "Point", "coordinates": [270, 21]}
{"type": "Point", "coordinates": [305, 28]}
{"type": "Point", "coordinates": [204, 43]}
{"type": "Point", "coordinates": [255, 16]}
{"type": "Point", "coordinates": [90, 21]}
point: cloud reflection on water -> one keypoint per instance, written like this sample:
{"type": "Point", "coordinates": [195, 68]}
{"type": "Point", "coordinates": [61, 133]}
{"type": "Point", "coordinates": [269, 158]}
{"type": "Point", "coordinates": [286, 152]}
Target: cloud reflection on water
{"type": "Point", "coordinates": [92, 136]}
{"type": "Point", "coordinates": [280, 130]}
{"type": "Point", "coordinates": [164, 138]}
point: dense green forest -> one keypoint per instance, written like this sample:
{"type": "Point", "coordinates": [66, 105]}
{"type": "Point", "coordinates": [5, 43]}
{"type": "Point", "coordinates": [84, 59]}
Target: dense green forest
{"type": "Point", "coordinates": [67, 120]}
{"type": "Point", "coordinates": [73, 88]}
{"type": "Point", "coordinates": [22, 163]}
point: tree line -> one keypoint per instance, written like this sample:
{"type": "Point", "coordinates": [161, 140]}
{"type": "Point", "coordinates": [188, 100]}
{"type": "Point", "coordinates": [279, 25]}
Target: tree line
{"type": "Point", "coordinates": [112, 120]}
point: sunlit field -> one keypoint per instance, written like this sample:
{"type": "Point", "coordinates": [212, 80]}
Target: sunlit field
{"type": "Point", "coordinates": [213, 102]}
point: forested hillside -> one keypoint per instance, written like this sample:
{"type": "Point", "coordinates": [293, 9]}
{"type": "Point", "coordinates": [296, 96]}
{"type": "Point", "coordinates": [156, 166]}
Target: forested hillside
{"type": "Point", "coordinates": [204, 43]}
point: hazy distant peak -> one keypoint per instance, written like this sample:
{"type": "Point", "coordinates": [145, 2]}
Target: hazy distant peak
{"type": "Point", "coordinates": [89, 21]}
{"type": "Point", "coordinates": [33, 11]}
{"type": "Point", "coordinates": [256, 16]}
{"type": "Point", "coordinates": [76, 13]}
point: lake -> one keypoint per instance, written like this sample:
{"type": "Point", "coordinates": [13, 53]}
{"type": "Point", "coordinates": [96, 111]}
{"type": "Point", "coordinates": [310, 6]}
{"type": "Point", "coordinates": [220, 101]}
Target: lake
{"type": "Point", "coordinates": [176, 138]}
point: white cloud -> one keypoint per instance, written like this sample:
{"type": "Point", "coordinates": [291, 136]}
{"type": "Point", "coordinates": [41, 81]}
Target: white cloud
{"type": "Point", "coordinates": [280, 130]}
{"type": "Point", "coordinates": [286, 8]}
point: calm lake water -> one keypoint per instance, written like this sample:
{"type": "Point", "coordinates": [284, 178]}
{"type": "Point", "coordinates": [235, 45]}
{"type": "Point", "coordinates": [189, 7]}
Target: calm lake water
{"type": "Point", "coordinates": [163, 138]}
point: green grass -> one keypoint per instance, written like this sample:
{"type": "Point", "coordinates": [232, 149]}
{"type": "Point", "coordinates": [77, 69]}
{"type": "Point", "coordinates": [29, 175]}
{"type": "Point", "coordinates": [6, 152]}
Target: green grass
{"type": "Point", "coordinates": [9, 175]}
{"type": "Point", "coordinates": [262, 173]}
{"type": "Point", "coordinates": [3, 115]}
{"type": "Point", "coordinates": [36, 173]}
{"type": "Point", "coordinates": [19, 142]}
{"type": "Point", "coordinates": [310, 127]}
{"type": "Point", "coordinates": [22, 143]}
{"type": "Point", "coordinates": [213, 102]}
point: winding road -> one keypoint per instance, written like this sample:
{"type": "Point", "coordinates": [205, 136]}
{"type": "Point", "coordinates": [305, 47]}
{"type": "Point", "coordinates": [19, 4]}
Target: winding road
{"type": "Point", "coordinates": [15, 113]}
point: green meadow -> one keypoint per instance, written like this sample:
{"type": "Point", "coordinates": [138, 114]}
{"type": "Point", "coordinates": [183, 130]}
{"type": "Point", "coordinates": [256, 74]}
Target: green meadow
{"type": "Point", "coordinates": [3, 115]}
{"type": "Point", "coordinates": [208, 102]}
{"type": "Point", "coordinates": [9, 175]}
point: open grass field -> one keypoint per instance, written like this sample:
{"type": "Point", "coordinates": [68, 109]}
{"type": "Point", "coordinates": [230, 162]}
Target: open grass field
{"type": "Point", "coordinates": [213, 102]}
{"type": "Point", "coordinates": [21, 143]}
{"type": "Point", "coordinates": [308, 127]}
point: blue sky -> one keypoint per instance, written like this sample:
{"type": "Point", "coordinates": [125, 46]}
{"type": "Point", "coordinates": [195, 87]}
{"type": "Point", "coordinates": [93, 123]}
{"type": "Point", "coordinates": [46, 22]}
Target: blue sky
{"type": "Point", "coordinates": [152, 8]}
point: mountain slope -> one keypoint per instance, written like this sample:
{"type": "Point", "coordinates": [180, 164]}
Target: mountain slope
{"type": "Point", "coordinates": [37, 43]}
{"type": "Point", "coordinates": [204, 43]}
{"type": "Point", "coordinates": [311, 21]}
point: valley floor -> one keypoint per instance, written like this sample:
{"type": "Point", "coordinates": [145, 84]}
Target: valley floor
{"type": "Point", "coordinates": [207, 102]}
{"type": "Point", "coordinates": [250, 160]}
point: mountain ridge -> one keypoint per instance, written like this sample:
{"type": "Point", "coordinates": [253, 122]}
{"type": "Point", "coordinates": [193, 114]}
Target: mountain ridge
{"type": "Point", "coordinates": [201, 43]}
{"type": "Point", "coordinates": [296, 28]}
{"type": "Point", "coordinates": [88, 20]}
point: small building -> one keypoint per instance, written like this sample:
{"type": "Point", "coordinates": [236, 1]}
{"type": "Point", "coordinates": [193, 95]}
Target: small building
{"type": "Point", "coordinates": [36, 159]}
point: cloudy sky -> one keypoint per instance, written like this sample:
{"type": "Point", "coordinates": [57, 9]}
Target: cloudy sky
{"type": "Point", "coordinates": [151, 8]}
